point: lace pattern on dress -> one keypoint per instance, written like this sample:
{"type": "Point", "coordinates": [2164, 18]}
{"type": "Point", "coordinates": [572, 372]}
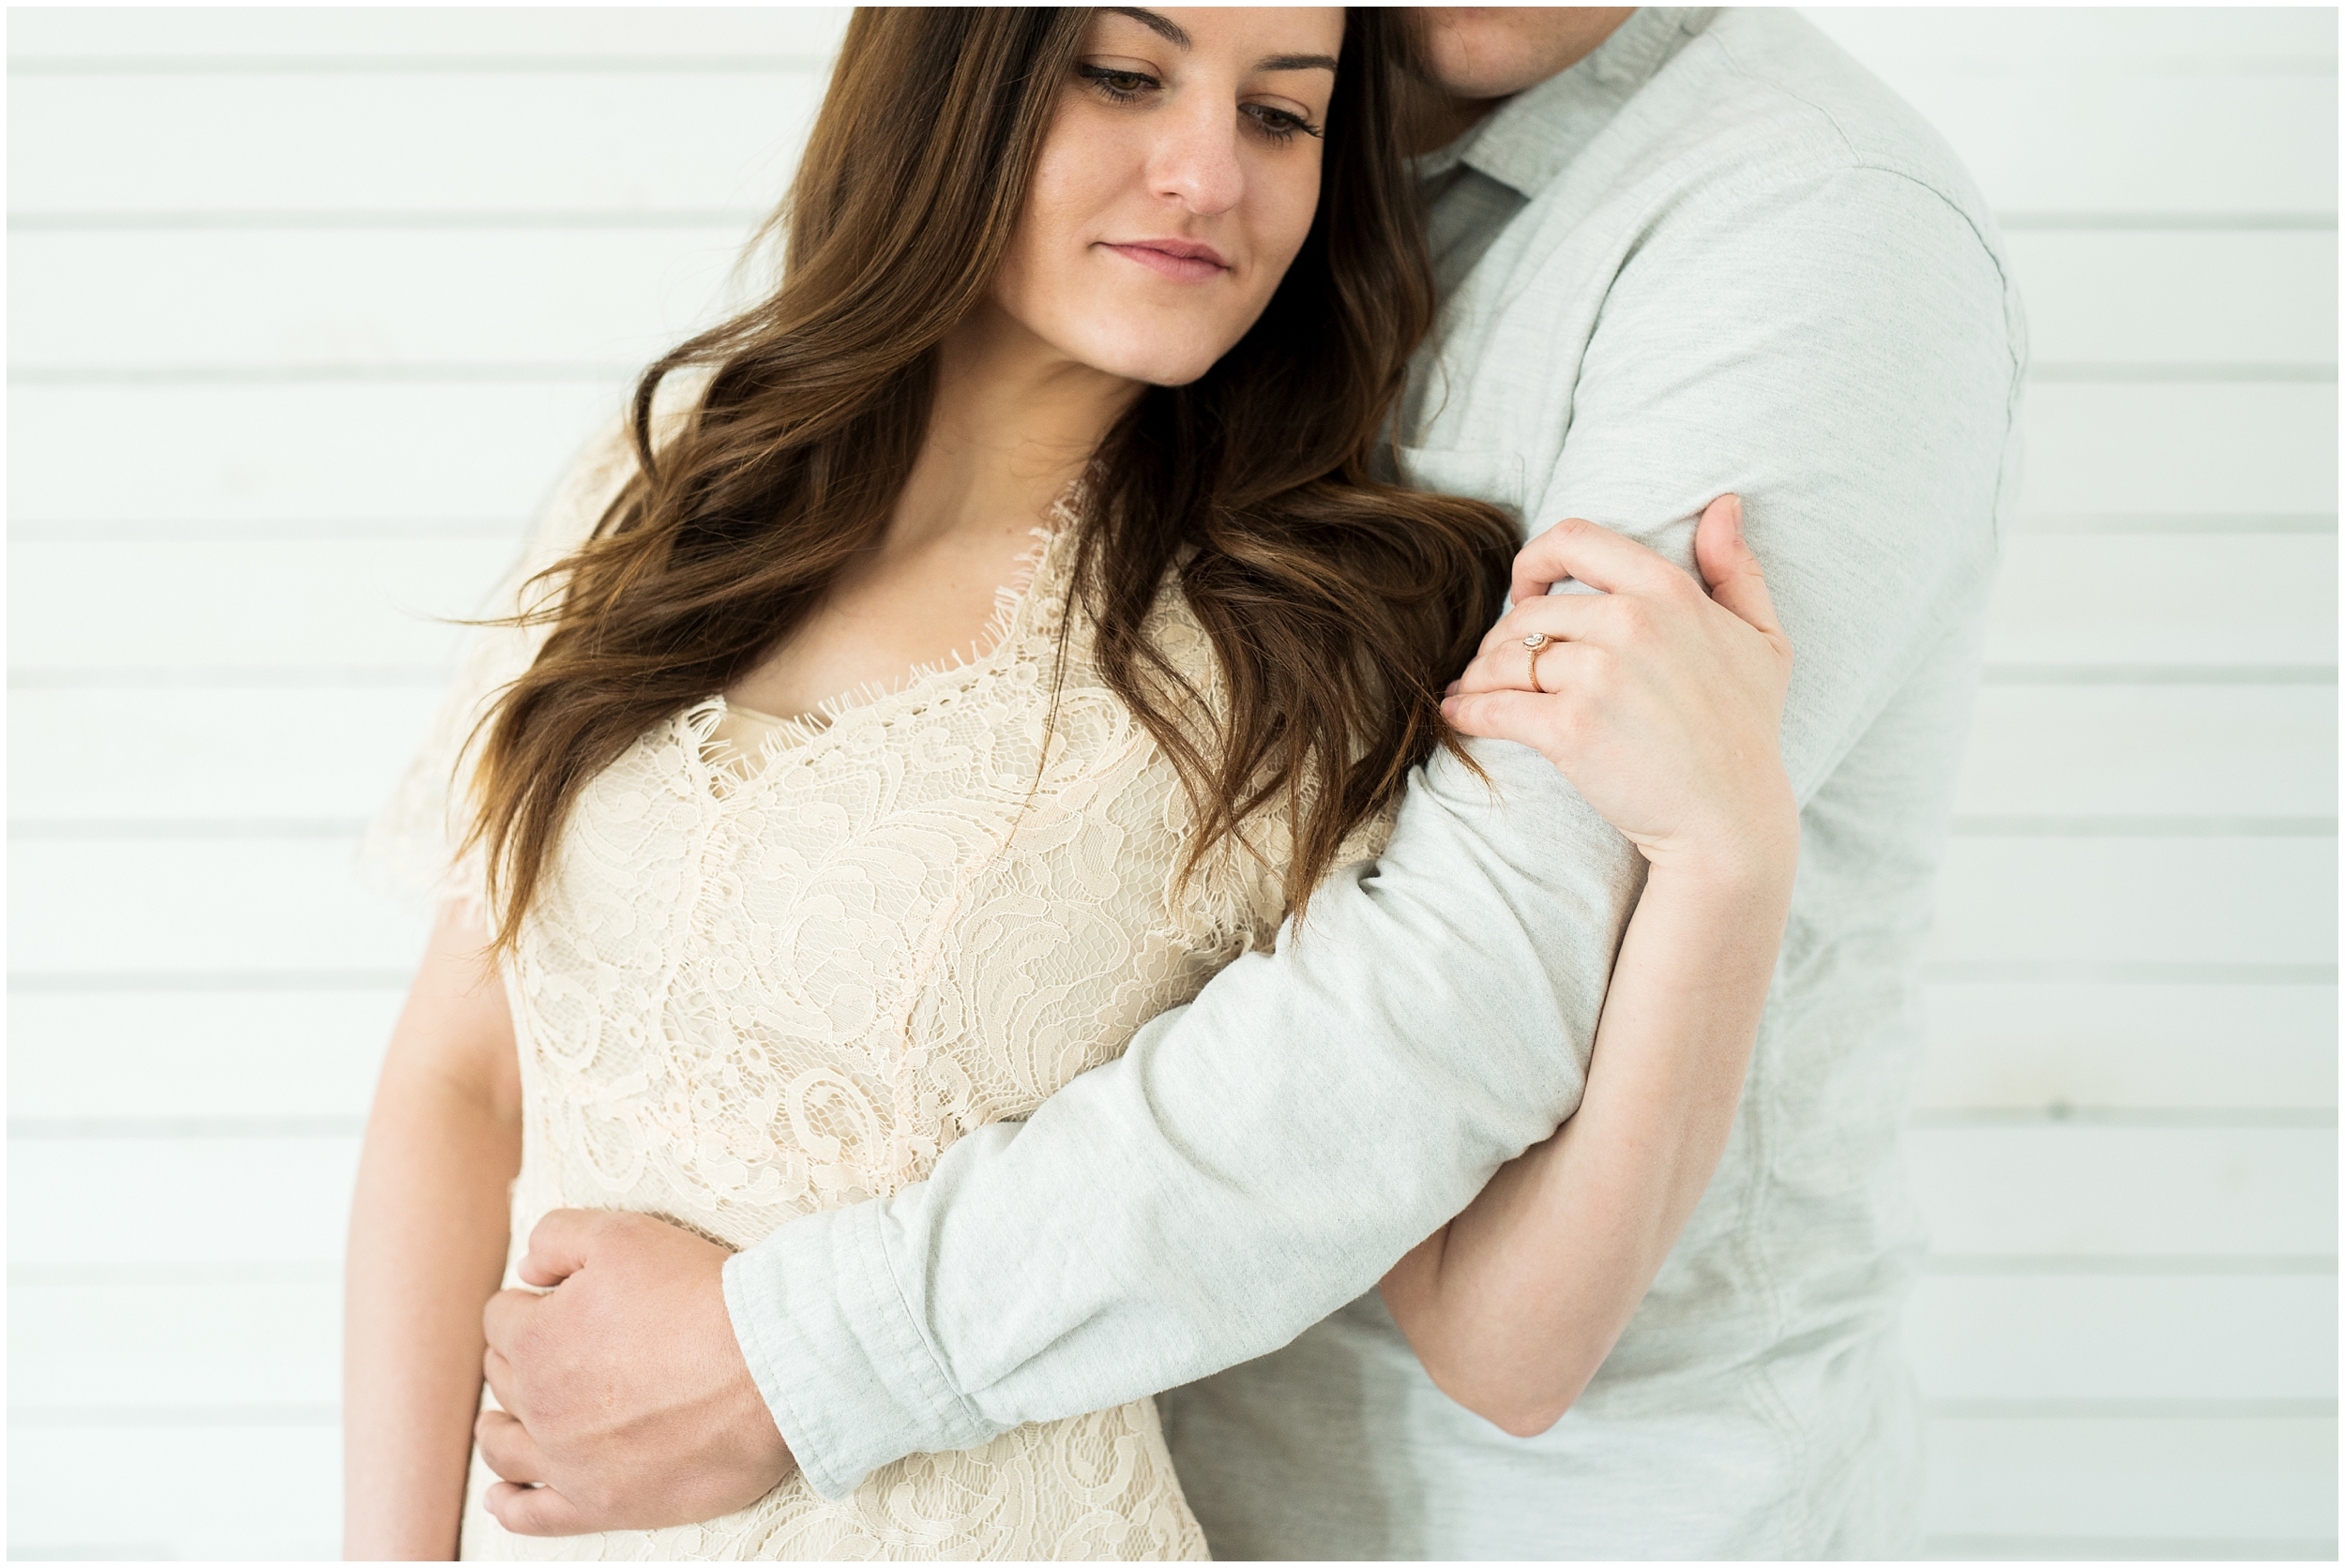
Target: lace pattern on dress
{"type": "Point", "coordinates": [757, 986]}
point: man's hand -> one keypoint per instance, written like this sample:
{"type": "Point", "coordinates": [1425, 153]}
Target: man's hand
{"type": "Point", "coordinates": [626, 1397]}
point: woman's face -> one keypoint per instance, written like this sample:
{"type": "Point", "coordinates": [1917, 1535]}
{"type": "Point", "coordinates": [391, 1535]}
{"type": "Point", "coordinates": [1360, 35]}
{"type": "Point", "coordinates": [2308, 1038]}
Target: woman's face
{"type": "Point", "coordinates": [1176, 183]}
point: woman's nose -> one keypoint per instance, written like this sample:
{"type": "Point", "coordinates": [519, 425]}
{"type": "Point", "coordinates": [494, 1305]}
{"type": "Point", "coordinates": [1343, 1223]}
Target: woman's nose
{"type": "Point", "coordinates": [1197, 163]}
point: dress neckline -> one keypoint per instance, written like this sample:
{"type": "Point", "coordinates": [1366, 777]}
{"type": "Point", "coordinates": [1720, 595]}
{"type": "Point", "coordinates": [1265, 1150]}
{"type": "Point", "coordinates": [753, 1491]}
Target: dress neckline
{"type": "Point", "coordinates": [729, 768]}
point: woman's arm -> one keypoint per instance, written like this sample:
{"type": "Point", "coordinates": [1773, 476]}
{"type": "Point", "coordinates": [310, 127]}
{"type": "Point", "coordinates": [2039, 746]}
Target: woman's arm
{"type": "Point", "coordinates": [428, 1232]}
{"type": "Point", "coordinates": [1661, 706]}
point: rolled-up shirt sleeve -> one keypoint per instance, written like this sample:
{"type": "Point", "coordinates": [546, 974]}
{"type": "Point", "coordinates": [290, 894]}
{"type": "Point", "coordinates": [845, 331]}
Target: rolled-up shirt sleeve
{"type": "Point", "coordinates": [1836, 351]}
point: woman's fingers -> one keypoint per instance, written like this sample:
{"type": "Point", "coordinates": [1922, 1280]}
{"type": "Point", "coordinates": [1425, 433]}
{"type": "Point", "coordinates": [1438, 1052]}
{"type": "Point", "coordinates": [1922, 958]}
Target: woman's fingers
{"type": "Point", "coordinates": [1508, 667]}
{"type": "Point", "coordinates": [1507, 715]}
{"type": "Point", "coordinates": [534, 1510]}
{"type": "Point", "coordinates": [506, 1447]}
{"type": "Point", "coordinates": [1565, 617]}
{"type": "Point", "coordinates": [1576, 548]}
{"type": "Point", "coordinates": [1729, 566]}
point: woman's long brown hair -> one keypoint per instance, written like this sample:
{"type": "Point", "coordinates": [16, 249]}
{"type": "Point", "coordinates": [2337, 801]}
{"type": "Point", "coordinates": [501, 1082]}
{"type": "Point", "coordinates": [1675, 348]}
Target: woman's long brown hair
{"type": "Point", "coordinates": [1338, 607]}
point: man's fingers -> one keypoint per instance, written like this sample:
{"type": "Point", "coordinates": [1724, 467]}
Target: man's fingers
{"type": "Point", "coordinates": [506, 1447]}
{"type": "Point", "coordinates": [558, 1248]}
{"type": "Point", "coordinates": [1729, 566]}
{"type": "Point", "coordinates": [532, 1509]}
{"type": "Point", "coordinates": [505, 1315]}
{"type": "Point", "coordinates": [1599, 557]}
{"type": "Point", "coordinates": [497, 1373]}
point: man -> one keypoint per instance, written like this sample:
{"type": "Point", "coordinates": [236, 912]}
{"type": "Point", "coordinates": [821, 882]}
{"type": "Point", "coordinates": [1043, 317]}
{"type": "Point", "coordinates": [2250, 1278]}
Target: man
{"type": "Point", "coordinates": [1682, 252]}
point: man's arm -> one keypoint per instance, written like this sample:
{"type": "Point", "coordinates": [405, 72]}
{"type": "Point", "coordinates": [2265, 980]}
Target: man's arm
{"type": "Point", "coordinates": [1840, 353]}
{"type": "Point", "coordinates": [1175, 1213]}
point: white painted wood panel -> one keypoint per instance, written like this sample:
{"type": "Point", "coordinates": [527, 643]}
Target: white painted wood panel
{"type": "Point", "coordinates": [232, 453]}
{"type": "Point", "coordinates": [2198, 751]}
{"type": "Point", "coordinates": [2120, 1482]}
{"type": "Point", "coordinates": [2153, 1339]}
{"type": "Point", "coordinates": [2102, 1192]}
{"type": "Point", "coordinates": [2086, 40]}
{"type": "Point", "coordinates": [323, 37]}
{"type": "Point", "coordinates": [212, 1056]}
{"type": "Point", "coordinates": [201, 907]}
{"type": "Point", "coordinates": [2038, 1192]}
{"type": "Point", "coordinates": [2203, 39]}
{"type": "Point", "coordinates": [230, 754]}
{"type": "Point", "coordinates": [2214, 755]}
{"type": "Point", "coordinates": [296, 905]}
{"type": "Point", "coordinates": [2147, 142]}
{"type": "Point", "coordinates": [2069, 115]}
{"type": "Point", "coordinates": [174, 1345]}
{"type": "Point", "coordinates": [92, 1202]}
{"type": "Point", "coordinates": [269, 301]}
{"type": "Point", "coordinates": [2254, 298]}
{"type": "Point", "coordinates": [2202, 600]}
{"type": "Point", "coordinates": [532, 296]}
{"type": "Point", "coordinates": [376, 452]}
{"type": "Point", "coordinates": [2049, 1048]}
{"type": "Point", "coordinates": [469, 142]}
{"type": "Point", "coordinates": [2163, 450]}
{"type": "Point", "coordinates": [382, 603]}
{"type": "Point", "coordinates": [219, 1493]}
{"type": "Point", "coordinates": [483, 143]}
{"type": "Point", "coordinates": [2026, 900]}
{"type": "Point", "coordinates": [2158, 1047]}
{"type": "Point", "coordinates": [368, 602]}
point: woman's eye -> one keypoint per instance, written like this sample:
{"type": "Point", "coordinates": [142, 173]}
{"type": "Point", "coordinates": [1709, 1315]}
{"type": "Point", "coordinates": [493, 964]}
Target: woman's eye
{"type": "Point", "coordinates": [1121, 85]}
{"type": "Point", "coordinates": [1280, 125]}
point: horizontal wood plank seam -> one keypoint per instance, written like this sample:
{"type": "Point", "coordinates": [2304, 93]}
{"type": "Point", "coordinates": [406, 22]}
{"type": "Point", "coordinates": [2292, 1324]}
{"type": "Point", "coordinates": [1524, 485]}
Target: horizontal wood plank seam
{"type": "Point", "coordinates": [501, 373]}
{"type": "Point", "coordinates": [371, 530]}
{"type": "Point", "coordinates": [699, 217]}
{"type": "Point", "coordinates": [420, 65]}
{"type": "Point", "coordinates": [79, 678]}
{"type": "Point", "coordinates": [79, 829]}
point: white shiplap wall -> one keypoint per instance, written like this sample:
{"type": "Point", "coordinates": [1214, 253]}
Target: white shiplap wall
{"type": "Point", "coordinates": [307, 306]}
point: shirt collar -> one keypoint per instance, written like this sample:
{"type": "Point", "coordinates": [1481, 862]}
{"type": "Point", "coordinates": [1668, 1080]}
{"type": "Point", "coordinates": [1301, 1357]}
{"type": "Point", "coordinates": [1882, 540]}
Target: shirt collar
{"type": "Point", "coordinates": [1527, 139]}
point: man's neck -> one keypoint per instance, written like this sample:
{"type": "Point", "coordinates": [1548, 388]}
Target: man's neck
{"type": "Point", "coordinates": [1479, 58]}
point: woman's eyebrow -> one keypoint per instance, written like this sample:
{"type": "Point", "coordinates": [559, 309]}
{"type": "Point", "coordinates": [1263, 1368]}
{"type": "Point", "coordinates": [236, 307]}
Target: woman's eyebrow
{"type": "Point", "coordinates": [1164, 27]}
{"type": "Point", "coordinates": [1175, 33]}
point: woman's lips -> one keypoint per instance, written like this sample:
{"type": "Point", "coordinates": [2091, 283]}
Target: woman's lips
{"type": "Point", "coordinates": [1180, 261]}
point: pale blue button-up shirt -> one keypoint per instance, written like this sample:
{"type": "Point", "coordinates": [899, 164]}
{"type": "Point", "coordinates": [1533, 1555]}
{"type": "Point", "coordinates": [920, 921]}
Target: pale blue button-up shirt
{"type": "Point", "coordinates": [1714, 255]}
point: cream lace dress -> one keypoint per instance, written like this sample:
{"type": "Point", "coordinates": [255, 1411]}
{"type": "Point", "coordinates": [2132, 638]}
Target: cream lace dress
{"type": "Point", "coordinates": [783, 964]}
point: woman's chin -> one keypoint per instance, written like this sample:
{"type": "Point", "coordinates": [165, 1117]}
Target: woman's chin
{"type": "Point", "coordinates": [1164, 368]}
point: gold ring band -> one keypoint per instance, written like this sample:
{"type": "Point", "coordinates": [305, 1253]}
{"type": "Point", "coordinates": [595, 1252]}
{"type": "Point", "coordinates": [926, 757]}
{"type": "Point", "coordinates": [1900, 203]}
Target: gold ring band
{"type": "Point", "coordinates": [1537, 642]}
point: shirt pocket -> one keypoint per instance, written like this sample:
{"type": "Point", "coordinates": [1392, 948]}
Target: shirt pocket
{"type": "Point", "coordinates": [1496, 478]}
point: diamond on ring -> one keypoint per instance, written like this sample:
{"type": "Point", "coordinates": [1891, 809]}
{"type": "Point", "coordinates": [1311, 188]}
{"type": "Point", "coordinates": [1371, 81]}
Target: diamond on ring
{"type": "Point", "coordinates": [1536, 639]}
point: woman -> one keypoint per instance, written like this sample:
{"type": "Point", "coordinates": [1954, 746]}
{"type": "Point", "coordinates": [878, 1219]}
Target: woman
{"type": "Point", "coordinates": [1091, 326]}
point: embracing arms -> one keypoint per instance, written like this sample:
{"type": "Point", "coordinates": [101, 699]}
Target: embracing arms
{"type": "Point", "coordinates": [1260, 1157]}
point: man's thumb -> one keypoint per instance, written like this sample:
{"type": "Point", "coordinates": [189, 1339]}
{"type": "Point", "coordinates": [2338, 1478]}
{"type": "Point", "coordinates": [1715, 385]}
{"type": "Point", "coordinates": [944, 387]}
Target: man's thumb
{"type": "Point", "coordinates": [1729, 567]}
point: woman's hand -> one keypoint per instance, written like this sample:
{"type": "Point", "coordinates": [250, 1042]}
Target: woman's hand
{"type": "Point", "coordinates": [1662, 704]}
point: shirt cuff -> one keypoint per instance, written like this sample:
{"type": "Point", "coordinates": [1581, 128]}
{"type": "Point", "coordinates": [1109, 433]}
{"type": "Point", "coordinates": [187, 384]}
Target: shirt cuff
{"type": "Point", "coordinates": [851, 1380]}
